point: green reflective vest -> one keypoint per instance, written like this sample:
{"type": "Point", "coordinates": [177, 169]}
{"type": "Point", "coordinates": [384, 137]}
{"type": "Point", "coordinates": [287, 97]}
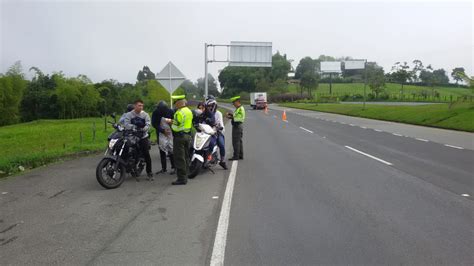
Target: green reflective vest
{"type": "Point", "coordinates": [183, 120]}
{"type": "Point", "coordinates": [239, 114]}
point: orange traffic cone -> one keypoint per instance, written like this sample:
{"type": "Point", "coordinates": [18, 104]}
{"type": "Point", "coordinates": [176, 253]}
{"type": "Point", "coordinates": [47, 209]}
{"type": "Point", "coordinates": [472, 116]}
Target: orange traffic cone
{"type": "Point", "coordinates": [283, 116]}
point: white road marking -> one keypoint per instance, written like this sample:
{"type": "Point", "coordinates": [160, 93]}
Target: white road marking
{"type": "Point", "coordinates": [218, 251]}
{"type": "Point", "coordinates": [396, 134]}
{"type": "Point", "coordinates": [452, 146]}
{"type": "Point", "coordinates": [352, 125]}
{"type": "Point", "coordinates": [363, 127]}
{"type": "Point", "coordinates": [425, 140]}
{"type": "Point", "coordinates": [307, 130]}
{"type": "Point", "coordinates": [4, 193]}
{"type": "Point", "coordinates": [368, 155]}
{"type": "Point", "coordinates": [378, 130]}
{"type": "Point", "coordinates": [215, 197]}
{"type": "Point", "coordinates": [465, 195]}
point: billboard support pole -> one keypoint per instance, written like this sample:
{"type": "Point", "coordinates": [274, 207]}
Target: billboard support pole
{"type": "Point", "coordinates": [205, 72]}
{"type": "Point", "coordinates": [330, 83]}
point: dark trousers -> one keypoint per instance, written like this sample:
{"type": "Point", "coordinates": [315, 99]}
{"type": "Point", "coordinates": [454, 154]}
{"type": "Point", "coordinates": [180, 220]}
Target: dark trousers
{"type": "Point", "coordinates": [145, 150]}
{"type": "Point", "coordinates": [163, 159]}
{"type": "Point", "coordinates": [237, 133]}
{"type": "Point", "coordinates": [181, 146]}
{"type": "Point", "coordinates": [221, 145]}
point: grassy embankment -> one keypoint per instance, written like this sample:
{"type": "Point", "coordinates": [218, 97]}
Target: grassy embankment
{"type": "Point", "coordinates": [458, 117]}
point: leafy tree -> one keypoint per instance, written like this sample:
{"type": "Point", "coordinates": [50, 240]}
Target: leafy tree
{"type": "Point", "coordinates": [12, 86]}
{"type": "Point", "coordinates": [191, 89]}
{"type": "Point", "coordinates": [145, 74]}
{"type": "Point", "coordinates": [440, 77]}
{"type": "Point", "coordinates": [39, 100]}
{"type": "Point", "coordinates": [212, 86]}
{"type": "Point", "coordinates": [375, 78]}
{"type": "Point", "coordinates": [280, 68]}
{"type": "Point", "coordinates": [310, 81]}
{"type": "Point", "coordinates": [306, 64]}
{"type": "Point", "coordinates": [457, 74]}
{"type": "Point", "coordinates": [401, 73]}
{"type": "Point", "coordinates": [417, 68]}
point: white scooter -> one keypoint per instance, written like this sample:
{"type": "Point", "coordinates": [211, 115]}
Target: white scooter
{"type": "Point", "coordinates": [201, 155]}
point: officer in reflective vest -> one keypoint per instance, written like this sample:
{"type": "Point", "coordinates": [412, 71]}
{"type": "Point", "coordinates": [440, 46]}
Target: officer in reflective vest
{"type": "Point", "coordinates": [238, 118]}
{"type": "Point", "coordinates": [181, 127]}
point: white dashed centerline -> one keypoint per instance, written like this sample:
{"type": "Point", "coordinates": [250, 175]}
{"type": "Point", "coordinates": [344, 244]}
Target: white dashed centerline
{"type": "Point", "coordinates": [396, 134]}
{"type": "Point", "coordinates": [307, 130]}
{"type": "Point", "coordinates": [368, 155]}
{"type": "Point", "coordinates": [378, 130]}
{"type": "Point", "coordinates": [452, 146]}
{"type": "Point", "coordinates": [425, 140]}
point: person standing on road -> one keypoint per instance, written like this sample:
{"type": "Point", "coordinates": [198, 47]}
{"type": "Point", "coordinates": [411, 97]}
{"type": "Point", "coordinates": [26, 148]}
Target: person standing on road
{"type": "Point", "coordinates": [219, 126]}
{"type": "Point", "coordinates": [181, 127]}
{"type": "Point", "coordinates": [139, 120]}
{"type": "Point", "coordinates": [164, 136]}
{"type": "Point", "coordinates": [238, 118]}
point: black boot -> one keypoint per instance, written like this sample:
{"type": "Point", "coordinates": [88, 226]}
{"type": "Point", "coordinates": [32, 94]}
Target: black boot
{"type": "Point", "coordinates": [179, 182]}
{"type": "Point", "coordinates": [223, 165]}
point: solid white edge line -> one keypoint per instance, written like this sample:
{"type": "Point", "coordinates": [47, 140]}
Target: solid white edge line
{"type": "Point", "coordinates": [452, 146]}
{"type": "Point", "coordinates": [425, 140]}
{"type": "Point", "coordinates": [218, 251]}
{"type": "Point", "coordinates": [306, 130]}
{"type": "Point", "coordinates": [368, 155]}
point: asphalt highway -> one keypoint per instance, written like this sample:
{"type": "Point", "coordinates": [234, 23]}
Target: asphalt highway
{"type": "Point", "coordinates": [314, 190]}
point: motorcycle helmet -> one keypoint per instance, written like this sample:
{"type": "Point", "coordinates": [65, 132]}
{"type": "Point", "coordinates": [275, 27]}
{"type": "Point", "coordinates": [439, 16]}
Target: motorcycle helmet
{"type": "Point", "coordinates": [211, 105]}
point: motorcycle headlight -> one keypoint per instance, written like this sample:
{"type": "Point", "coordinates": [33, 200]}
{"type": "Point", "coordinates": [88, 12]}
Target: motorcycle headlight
{"type": "Point", "coordinates": [112, 143]}
{"type": "Point", "coordinates": [199, 141]}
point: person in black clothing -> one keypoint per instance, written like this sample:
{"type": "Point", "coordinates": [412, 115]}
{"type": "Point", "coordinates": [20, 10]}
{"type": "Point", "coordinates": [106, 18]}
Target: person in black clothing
{"type": "Point", "coordinates": [162, 111]}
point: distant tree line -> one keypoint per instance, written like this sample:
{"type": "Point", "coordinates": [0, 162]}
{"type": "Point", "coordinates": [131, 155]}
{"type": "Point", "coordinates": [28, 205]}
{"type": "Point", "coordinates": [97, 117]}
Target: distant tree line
{"type": "Point", "coordinates": [56, 96]}
{"type": "Point", "coordinates": [307, 75]}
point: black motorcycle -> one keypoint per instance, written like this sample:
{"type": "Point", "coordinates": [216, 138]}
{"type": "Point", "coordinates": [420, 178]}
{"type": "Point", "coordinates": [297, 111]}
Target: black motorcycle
{"type": "Point", "coordinates": [122, 156]}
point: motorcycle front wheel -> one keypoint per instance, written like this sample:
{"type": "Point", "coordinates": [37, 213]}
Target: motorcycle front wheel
{"type": "Point", "coordinates": [107, 176]}
{"type": "Point", "coordinates": [194, 168]}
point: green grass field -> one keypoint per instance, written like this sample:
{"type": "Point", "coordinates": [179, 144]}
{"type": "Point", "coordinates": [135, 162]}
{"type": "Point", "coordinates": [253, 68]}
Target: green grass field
{"type": "Point", "coordinates": [391, 88]}
{"type": "Point", "coordinates": [37, 143]}
{"type": "Point", "coordinates": [458, 117]}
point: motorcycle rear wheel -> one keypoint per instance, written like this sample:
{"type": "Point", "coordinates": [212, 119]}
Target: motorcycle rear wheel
{"type": "Point", "coordinates": [194, 168]}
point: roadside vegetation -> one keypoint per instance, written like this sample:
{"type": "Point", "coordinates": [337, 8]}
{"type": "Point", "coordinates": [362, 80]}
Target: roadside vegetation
{"type": "Point", "coordinates": [457, 116]}
{"type": "Point", "coordinates": [33, 144]}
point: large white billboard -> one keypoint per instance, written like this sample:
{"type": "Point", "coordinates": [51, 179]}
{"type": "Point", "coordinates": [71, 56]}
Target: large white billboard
{"type": "Point", "coordinates": [354, 64]}
{"type": "Point", "coordinates": [330, 67]}
{"type": "Point", "coordinates": [251, 54]}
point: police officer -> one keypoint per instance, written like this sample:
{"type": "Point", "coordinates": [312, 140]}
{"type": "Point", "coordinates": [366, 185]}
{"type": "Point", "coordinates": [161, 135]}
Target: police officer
{"type": "Point", "coordinates": [238, 118]}
{"type": "Point", "coordinates": [181, 127]}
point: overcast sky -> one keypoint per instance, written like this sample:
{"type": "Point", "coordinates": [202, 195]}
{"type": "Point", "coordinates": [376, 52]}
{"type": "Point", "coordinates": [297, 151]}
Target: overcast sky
{"type": "Point", "coordinates": [108, 39]}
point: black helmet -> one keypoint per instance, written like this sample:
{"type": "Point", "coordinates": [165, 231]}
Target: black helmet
{"type": "Point", "coordinates": [162, 104]}
{"type": "Point", "coordinates": [130, 107]}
